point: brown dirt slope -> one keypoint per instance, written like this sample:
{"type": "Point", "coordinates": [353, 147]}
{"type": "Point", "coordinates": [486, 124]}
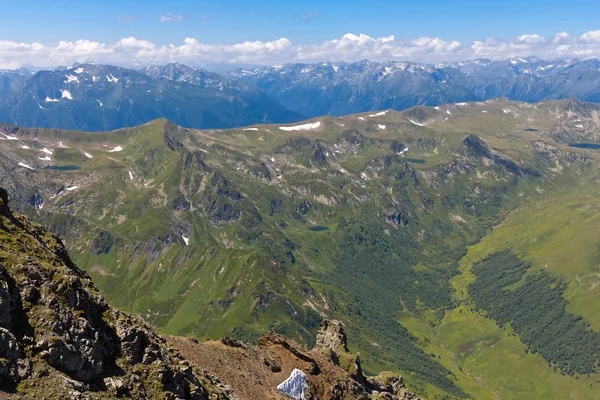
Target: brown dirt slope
{"type": "Point", "coordinates": [255, 371]}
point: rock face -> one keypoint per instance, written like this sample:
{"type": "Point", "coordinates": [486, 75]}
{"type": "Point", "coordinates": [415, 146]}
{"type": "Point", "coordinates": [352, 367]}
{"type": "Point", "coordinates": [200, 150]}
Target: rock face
{"type": "Point", "coordinates": [60, 339]}
{"type": "Point", "coordinates": [278, 368]}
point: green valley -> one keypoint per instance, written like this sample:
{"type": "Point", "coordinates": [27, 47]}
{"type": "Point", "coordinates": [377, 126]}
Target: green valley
{"type": "Point", "coordinates": [381, 220]}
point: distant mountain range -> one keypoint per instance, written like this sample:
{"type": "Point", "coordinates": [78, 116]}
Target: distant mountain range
{"type": "Point", "coordinates": [103, 97]}
{"type": "Point", "coordinates": [346, 88]}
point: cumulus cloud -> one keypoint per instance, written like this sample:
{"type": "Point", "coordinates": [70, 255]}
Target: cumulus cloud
{"type": "Point", "coordinates": [350, 47]}
{"type": "Point", "coordinates": [170, 17]}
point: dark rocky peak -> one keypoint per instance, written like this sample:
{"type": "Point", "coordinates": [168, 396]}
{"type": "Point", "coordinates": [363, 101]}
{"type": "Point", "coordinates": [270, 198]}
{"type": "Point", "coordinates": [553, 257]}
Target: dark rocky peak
{"type": "Point", "coordinates": [332, 336]}
{"type": "Point", "coordinates": [473, 145]}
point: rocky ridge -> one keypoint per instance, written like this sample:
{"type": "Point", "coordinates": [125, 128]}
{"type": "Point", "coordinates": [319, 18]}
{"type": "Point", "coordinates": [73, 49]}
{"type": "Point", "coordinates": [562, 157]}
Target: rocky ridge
{"type": "Point", "coordinates": [330, 370]}
{"type": "Point", "coordinates": [59, 338]}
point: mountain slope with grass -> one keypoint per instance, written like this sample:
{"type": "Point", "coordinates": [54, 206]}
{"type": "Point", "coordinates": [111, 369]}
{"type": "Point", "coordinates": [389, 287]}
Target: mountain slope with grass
{"type": "Point", "coordinates": [369, 218]}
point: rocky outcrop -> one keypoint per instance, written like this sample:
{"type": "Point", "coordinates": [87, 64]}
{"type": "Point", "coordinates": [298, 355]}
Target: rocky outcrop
{"type": "Point", "coordinates": [60, 339]}
{"type": "Point", "coordinates": [329, 371]}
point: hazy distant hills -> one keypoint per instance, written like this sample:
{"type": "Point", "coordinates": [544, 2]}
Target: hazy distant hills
{"type": "Point", "coordinates": [345, 88]}
{"type": "Point", "coordinates": [103, 97]}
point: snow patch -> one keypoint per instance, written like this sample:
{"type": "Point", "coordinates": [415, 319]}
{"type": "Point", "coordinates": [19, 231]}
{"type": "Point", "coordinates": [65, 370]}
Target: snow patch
{"type": "Point", "coordinates": [62, 146]}
{"type": "Point", "coordinates": [484, 111]}
{"type": "Point", "coordinates": [416, 123]}
{"type": "Point", "coordinates": [250, 129]}
{"type": "Point", "coordinates": [24, 165]}
{"type": "Point", "coordinates": [186, 240]}
{"type": "Point", "coordinates": [47, 158]}
{"type": "Point", "coordinates": [578, 126]}
{"type": "Point", "coordinates": [71, 188]}
{"type": "Point", "coordinates": [72, 78]}
{"type": "Point", "coordinates": [436, 107]}
{"type": "Point", "coordinates": [116, 149]}
{"type": "Point", "coordinates": [130, 175]}
{"type": "Point", "coordinates": [361, 118]}
{"type": "Point", "coordinates": [506, 111]}
{"type": "Point", "coordinates": [40, 106]}
{"type": "Point", "coordinates": [45, 150]}
{"type": "Point", "coordinates": [448, 112]}
{"type": "Point", "coordinates": [94, 78]}
{"type": "Point", "coordinates": [303, 127]}
{"type": "Point", "coordinates": [294, 385]}
{"type": "Point", "coordinates": [99, 102]}
{"type": "Point", "coordinates": [25, 147]}
{"type": "Point", "coordinates": [111, 78]}
{"type": "Point", "coordinates": [88, 155]}
{"type": "Point", "coordinates": [8, 137]}
{"type": "Point", "coordinates": [381, 126]}
{"type": "Point", "coordinates": [379, 114]}
{"type": "Point", "coordinates": [461, 104]}
{"type": "Point", "coordinates": [49, 100]}
{"type": "Point", "coordinates": [65, 94]}
{"type": "Point", "coordinates": [79, 71]}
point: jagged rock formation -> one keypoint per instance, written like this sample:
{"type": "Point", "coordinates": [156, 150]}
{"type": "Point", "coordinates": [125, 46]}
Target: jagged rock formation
{"type": "Point", "coordinates": [255, 372]}
{"type": "Point", "coordinates": [60, 339]}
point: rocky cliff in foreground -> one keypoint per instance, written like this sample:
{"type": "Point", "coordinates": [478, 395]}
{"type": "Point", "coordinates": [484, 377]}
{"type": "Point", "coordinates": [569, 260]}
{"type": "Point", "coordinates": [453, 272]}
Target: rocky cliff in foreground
{"type": "Point", "coordinates": [59, 339]}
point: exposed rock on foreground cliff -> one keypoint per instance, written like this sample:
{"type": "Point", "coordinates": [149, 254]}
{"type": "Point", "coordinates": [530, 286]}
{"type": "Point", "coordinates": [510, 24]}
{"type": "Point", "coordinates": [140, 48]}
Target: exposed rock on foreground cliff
{"type": "Point", "coordinates": [59, 339]}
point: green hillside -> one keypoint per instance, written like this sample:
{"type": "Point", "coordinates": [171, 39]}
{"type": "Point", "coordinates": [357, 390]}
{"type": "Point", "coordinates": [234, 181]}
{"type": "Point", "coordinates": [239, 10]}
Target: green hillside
{"type": "Point", "coordinates": [376, 219]}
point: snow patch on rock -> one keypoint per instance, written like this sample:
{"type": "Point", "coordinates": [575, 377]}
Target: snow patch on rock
{"type": "Point", "coordinates": [250, 129]}
{"type": "Point", "coordinates": [116, 149]}
{"type": "Point", "coordinates": [24, 165]}
{"type": "Point", "coordinates": [294, 385]}
{"type": "Point", "coordinates": [416, 123]}
{"type": "Point", "coordinates": [303, 127]}
{"type": "Point", "coordinates": [8, 137]}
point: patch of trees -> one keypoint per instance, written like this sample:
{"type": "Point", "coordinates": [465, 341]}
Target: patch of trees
{"type": "Point", "coordinates": [534, 305]}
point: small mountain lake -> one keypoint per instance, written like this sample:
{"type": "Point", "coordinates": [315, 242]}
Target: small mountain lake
{"type": "Point", "coordinates": [594, 146]}
{"type": "Point", "coordinates": [318, 228]}
{"type": "Point", "coordinates": [63, 167]}
{"type": "Point", "coordinates": [530, 130]}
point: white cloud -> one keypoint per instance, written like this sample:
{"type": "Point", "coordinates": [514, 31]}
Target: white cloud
{"type": "Point", "coordinates": [170, 17]}
{"type": "Point", "coordinates": [350, 47]}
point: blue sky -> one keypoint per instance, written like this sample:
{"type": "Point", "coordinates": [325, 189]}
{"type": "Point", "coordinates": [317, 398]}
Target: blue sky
{"type": "Point", "coordinates": [265, 32]}
{"type": "Point", "coordinates": [234, 21]}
